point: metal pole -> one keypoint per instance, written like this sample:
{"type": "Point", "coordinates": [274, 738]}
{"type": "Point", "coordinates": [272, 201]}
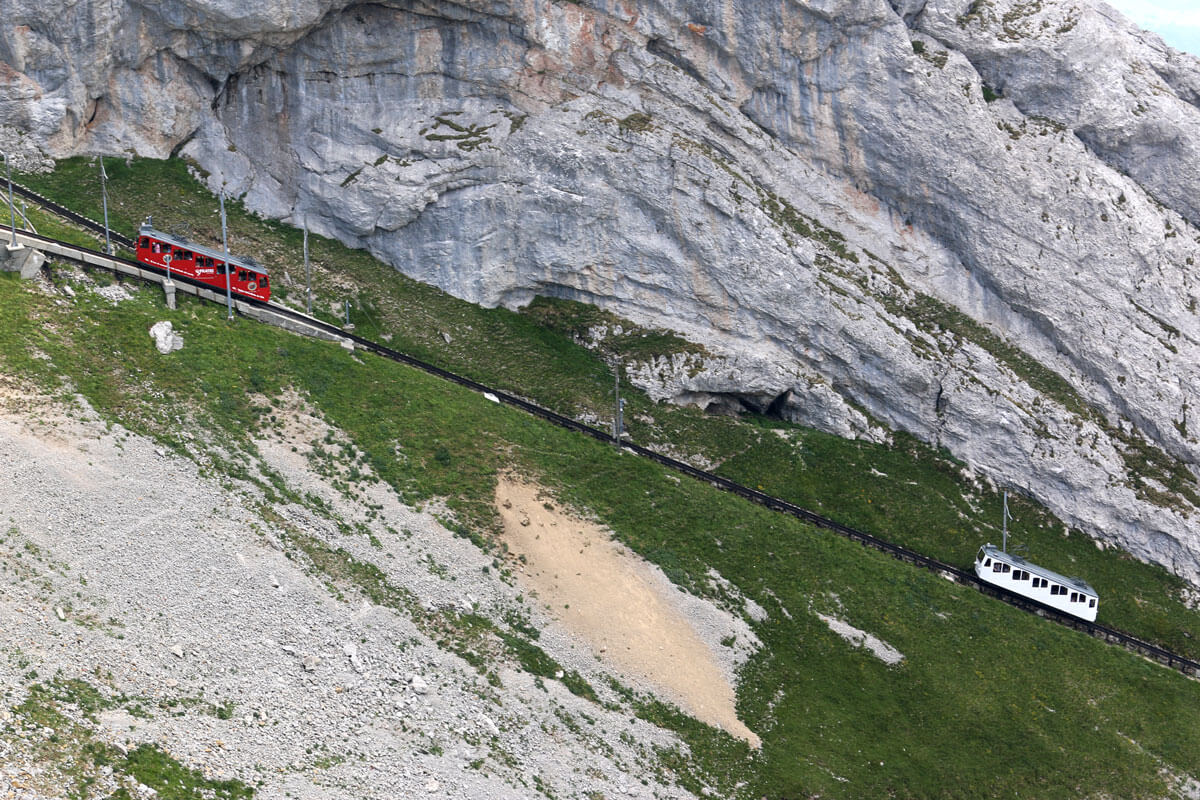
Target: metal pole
{"type": "Point", "coordinates": [1005, 524]}
{"type": "Point", "coordinates": [12, 210]}
{"type": "Point", "coordinates": [225, 245]}
{"type": "Point", "coordinates": [347, 312]}
{"type": "Point", "coordinates": [617, 402]}
{"type": "Point", "coordinates": [104, 197]}
{"type": "Point", "coordinates": [307, 270]}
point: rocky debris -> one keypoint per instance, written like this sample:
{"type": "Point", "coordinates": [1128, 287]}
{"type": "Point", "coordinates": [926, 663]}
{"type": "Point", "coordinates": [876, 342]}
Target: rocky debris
{"type": "Point", "coordinates": [859, 638]}
{"type": "Point", "coordinates": [165, 339]}
{"type": "Point", "coordinates": [311, 691]}
{"type": "Point", "coordinates": [114, 293]}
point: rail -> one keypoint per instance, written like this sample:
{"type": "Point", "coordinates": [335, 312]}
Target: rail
{"type": "Point", "coordinates": [136, 269]}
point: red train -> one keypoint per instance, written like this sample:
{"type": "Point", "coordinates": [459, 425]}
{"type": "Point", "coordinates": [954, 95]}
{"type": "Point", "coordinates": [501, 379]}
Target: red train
{"type": "Point", "coordinates": [202, 264]}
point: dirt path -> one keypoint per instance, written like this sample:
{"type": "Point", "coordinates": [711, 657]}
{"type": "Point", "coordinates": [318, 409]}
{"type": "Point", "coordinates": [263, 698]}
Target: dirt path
{"type": "Point", "coordinates": [622, 606]}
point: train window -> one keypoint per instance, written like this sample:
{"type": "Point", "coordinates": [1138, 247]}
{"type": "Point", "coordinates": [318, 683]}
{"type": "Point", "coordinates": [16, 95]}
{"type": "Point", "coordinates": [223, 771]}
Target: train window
{"type": "Point", "coordinates": [996, 567]}
{"type": "Point", "coordinates": [1056, 589]}
{"type": "Point", "coordinates": [262, 281]}
{"type": "Point", "coordinates": [1005, 568]}
{"type": "Point", "coordinates": [145, 242]}
{"type": "Point", "coordinates": [1092, 603]}
{"type": "Point", "coordinates": [987, 562]}
{"type": "Point", "coordinates": [1074, 597]}
{"type": "Point", "coordinates": [1021, 575]}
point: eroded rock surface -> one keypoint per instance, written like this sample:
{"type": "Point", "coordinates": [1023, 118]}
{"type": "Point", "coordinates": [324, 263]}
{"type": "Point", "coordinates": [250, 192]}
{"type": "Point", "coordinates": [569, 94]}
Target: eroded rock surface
{"type": "Point", "coordinates": [973, 221]}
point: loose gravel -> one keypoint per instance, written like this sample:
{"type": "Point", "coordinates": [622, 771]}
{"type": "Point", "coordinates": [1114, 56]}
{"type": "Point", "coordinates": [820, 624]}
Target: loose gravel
{"type": "Point", "coordinates": [173, 593]}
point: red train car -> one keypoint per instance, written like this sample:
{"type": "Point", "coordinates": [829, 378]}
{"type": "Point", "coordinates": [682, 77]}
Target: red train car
{"type": "Point", "coordinates": [202, 264]}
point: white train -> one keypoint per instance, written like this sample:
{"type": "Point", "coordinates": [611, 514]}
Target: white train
{"type": "Point", "coordinates": [1014, 573]}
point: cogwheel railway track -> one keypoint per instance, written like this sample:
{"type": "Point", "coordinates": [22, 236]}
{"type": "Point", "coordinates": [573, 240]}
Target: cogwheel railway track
{"type": "Point", "coordinates": [70, 252]}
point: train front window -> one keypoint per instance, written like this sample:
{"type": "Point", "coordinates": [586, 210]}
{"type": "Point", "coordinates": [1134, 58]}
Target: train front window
{"type": "Point", "coordinates": [145, 243]}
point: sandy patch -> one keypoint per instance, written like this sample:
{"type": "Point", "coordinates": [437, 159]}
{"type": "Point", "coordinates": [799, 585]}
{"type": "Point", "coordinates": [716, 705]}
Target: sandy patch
{"type": "Point", "coordinates": [616, 602]}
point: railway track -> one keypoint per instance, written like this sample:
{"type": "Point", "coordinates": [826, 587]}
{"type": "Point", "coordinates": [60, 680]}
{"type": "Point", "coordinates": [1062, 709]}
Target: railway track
{"type": "Point", "coordinates": [1111, 635]}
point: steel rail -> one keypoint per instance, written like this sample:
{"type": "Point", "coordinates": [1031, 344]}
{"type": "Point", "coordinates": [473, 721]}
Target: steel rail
{"type": "Point", "coordinates": [66, 213]}
{"type": "Point", "coordinates": [1111, 635]}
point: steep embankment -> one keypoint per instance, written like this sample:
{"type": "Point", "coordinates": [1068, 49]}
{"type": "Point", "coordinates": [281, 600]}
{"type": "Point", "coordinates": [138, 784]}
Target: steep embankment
{"type": "Point", "coordinates": [971, 221]}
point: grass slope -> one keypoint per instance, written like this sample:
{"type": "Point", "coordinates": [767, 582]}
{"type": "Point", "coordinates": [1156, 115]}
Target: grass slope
{"type": "Point", "coordinates": [907, 492]}
{"type": "Point", "coordinates": [989, 702]}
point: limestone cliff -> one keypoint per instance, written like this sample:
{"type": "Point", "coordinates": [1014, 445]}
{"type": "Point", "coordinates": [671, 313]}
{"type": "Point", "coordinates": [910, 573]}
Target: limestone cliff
{"type": "Point", "coordinates": [967, 219]}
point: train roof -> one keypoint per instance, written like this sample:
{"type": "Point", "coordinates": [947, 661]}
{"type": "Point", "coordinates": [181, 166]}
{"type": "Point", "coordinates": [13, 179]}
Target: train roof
{"type": "Point", "coordinates": [220, 255]}
{"type": "Point", "coordinates": [1033, 569]}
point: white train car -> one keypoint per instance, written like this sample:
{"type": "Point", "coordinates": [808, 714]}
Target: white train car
{"type": "Point", "coordinates": [1014, 573]}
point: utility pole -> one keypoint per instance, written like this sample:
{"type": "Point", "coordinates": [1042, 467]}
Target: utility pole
{"type": "Point", "coordinates": [307, 269]}
{"type": "Point", "coordinates": [347, 313]}
{"type": "Point", "coordinates": [12, 210]}
{"type": "Point", "coordinates": [225, 245]}
{"type": "Point", "coordinates": [104, 197]}
{"type": "Point", "coordinates": [619, 404]}
{"type": "Point", "coordinates": [1004, 526]}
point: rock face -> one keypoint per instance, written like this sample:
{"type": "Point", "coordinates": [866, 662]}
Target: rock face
{"type": "Point", "coordinates": [967, 219]}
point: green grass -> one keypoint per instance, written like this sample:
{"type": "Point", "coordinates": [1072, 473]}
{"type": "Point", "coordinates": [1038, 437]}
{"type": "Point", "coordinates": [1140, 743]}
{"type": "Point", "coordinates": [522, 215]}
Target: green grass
{"type": "Point", "coordinates": [983, 685]}
{"type": "Point", "coordinates": [74, 757]}
{"type": "Point", "coordinates": [968, 708]}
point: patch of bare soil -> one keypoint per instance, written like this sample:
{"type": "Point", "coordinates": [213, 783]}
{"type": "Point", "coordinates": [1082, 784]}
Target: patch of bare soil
{"type": "Point", "coordinates": [622, 606]}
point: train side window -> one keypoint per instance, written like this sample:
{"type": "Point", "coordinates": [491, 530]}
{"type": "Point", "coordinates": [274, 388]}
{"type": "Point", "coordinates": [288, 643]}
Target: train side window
{"type": "Point", "coordinates": [987, 562]}
{"type": "Point", "coordinates": [1074, 597]}
{"type": "Point", "coordinates": [1092, 603]}
{"type": "Point", "coordinates": [1022, 575]}
{"type": "Point", "coordinates": [1055, 588]}
{"type": "Point", "coordinates": [996, 567]}
{"type": "Point", "coordinates": [262, 281]}
{"type": "Point", "coordinates": [145, 242]}
{"type": "Point", "coordinates": [1005, 568]}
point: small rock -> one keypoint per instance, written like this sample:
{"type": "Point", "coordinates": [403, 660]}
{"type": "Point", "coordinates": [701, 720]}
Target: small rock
{"type": "Point", "coordinates": [177, 651]}
{"type": "Point", "coordinates": [165, 339]}
{"type": "Point", "coordinates": [490, 396]}
{"type": "Point", "coordinates": [419, 685]}
{"type": "Point", "coordinates": [311, 662]}
{"type": "Point", "coordinates": [62, 615]}
{"type": "Point", "coordinates": [432, 786]}
{"type": "Point", "coordinates": [160, 452]}
{"type": "Point", "coordinates": [524, 522]}
{"type": "Point", "coordinates": [274, 581]}
{"type": "Point", "coordinates": [350, 649]}
{"type": "Point", "coordinates": [446, 337]}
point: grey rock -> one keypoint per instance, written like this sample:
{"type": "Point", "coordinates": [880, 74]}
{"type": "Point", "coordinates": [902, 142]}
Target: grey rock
{"type": "Point", "coordinates": [177, 651]}
{"type": "Point", "coordinates": [165, 339]}
{"type": "Point", "coordinates": [860, 236]}
{"type": "Point", "coordinates": [311, 662]}
{"type": "Point", "coordinates": [419, 684]}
